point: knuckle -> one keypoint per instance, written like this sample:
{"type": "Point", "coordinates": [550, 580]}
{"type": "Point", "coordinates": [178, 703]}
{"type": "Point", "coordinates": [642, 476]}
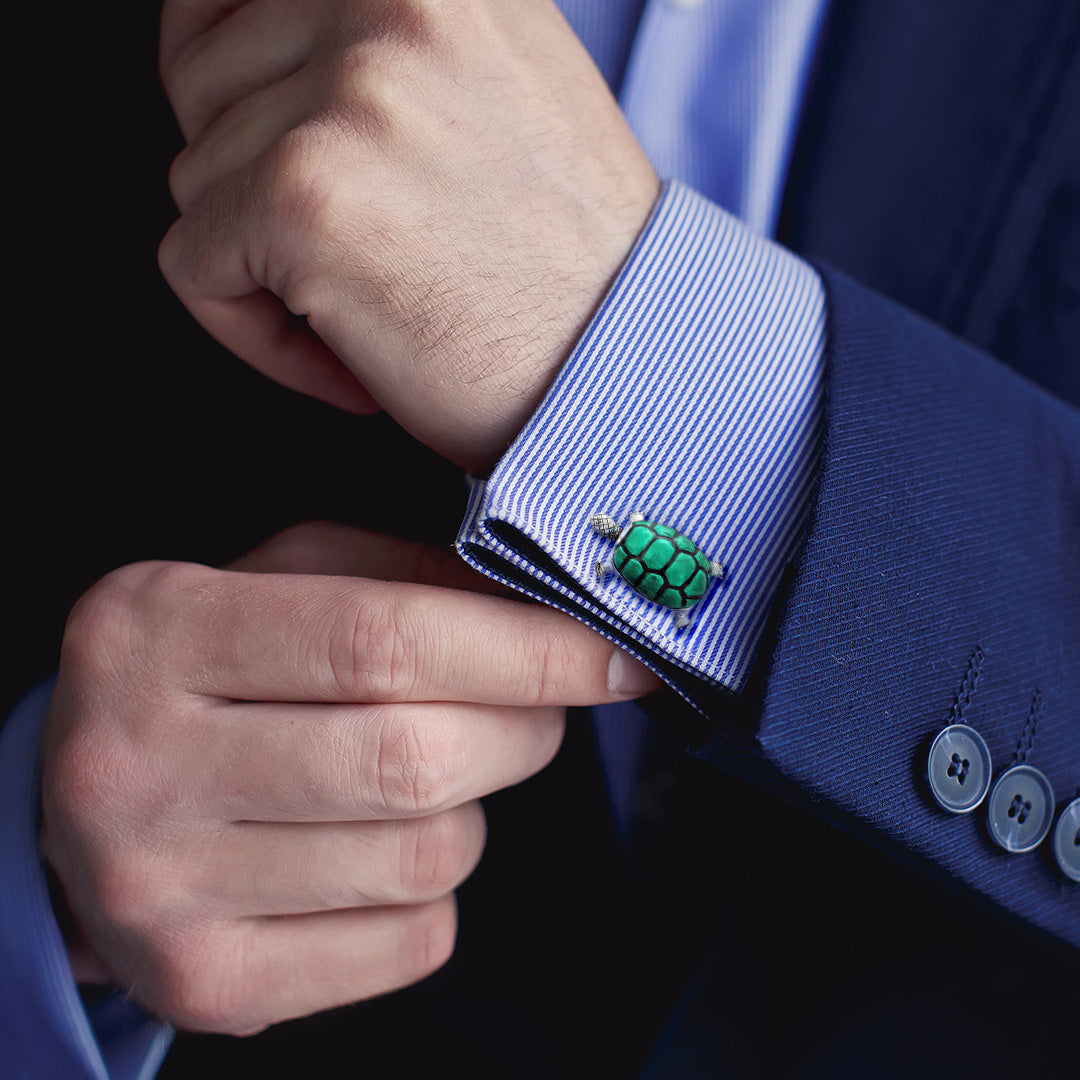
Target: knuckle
{"type": "Point", "coordinates": [175, 65]}
{"type": "Point", "coordinates": [72, 786]}
{"type": "Point", "coordinates": [129, 614]}
{"type": "Point", "coordinates": [116, 663]}
{"type": "Point", "coordinates": [160, 584]}
{"type": "Point", "coordinates": [200, 988]}
{"type": "Point", "coordinates": [88, 783]}
{"type": "Point", "coordinates": [369, 657]}
{"type": "Point", "coordinates": [380, 52]}
{"type": "Point", "coordinates": [86, 780]}
{"type": "Point", "coordinates": [431, 944]}
{"type": "Point", "coordinates": [187, 88]}
{"type": "Point", "coordinates": [77, 787]}
{"type": "Point", "coordinates": [181, 180]}
{"type": "Point", "coordinates": [103, 618]}
{"type": "Point", "coordinates": [358, 85]}
{"type": "Point", "coordinates": [302, 185]}
{"type": "Point", "coordinates": [127, 895]}
{"type": "Point", "coordinates": [191, 1001]}
{"type": "Point", "coordinates": [436, 855]}
{"type": "Point", "coordinates": [413, 768]}
{"type": "Point", "coordinates": [296, 177]}
{"type": "Point", "coordinates": [307, 293]}
{"type": "Point", "coordinates": [190, 251]}
{"type": "Point", "coordinates": [145, 583]}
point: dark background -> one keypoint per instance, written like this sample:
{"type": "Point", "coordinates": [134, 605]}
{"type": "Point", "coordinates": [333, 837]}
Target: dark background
{"type": "Point", "coordinates": [130, 433]}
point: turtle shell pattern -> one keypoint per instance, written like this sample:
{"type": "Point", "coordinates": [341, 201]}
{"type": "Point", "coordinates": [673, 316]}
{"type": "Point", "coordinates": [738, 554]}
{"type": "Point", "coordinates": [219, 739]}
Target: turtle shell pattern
{"type": "Point", "coordinates": [662, 564]}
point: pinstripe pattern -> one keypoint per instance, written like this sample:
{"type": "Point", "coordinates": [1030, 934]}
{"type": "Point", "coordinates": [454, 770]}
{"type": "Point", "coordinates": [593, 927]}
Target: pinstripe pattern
{"type": "Point", "coordinates": [695, 397]}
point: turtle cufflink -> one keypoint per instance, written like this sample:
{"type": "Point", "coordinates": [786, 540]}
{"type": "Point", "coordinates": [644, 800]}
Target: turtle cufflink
{"type": "Point", "coordinates": [659, 563]}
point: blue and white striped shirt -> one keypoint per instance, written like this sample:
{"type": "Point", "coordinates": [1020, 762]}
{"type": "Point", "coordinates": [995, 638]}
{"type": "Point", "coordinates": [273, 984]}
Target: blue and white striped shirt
{"type": "Point", "coordinates": [695, 395]}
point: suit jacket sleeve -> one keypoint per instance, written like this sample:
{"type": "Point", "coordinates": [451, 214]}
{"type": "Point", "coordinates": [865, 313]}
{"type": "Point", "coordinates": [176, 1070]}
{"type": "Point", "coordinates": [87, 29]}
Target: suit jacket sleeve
{"type": "Point", "coordinates": [939, 581]}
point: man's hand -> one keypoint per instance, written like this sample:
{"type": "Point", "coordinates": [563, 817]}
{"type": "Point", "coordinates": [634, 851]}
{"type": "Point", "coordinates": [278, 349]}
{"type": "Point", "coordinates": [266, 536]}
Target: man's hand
{"type": "Point", "coordinates": [260, 788]}
{"type": "Point", "coordinates": [445, 190]}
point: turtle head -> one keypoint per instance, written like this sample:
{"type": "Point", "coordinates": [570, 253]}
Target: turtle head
{"type": "Point", "coordinates": [605, 525]}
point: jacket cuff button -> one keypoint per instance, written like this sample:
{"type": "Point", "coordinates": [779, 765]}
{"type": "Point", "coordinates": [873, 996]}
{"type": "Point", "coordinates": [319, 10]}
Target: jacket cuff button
{"type": "Point", "coordinates": [1067, 841]}
{"type": "Point", "coordinates": [958, 769]}
{"type": "Point", "coordinates": [1020, 809]}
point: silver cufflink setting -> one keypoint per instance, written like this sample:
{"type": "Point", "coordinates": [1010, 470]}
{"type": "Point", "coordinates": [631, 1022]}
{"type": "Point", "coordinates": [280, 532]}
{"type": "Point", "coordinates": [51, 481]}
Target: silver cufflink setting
{"type": "Point", "coordinates": [1020, 807]}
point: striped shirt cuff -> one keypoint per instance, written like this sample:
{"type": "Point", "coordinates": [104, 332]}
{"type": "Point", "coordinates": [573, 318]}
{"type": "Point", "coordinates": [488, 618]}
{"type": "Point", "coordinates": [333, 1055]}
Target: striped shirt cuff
{"type": "Point", "coordinates": [694, 397]}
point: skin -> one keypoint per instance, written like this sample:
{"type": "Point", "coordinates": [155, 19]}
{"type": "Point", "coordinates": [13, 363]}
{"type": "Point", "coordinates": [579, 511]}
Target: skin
{"type": "Point", "coordinates": [442, 190]}
{"type": "Point", "coordinates": [260, 784]}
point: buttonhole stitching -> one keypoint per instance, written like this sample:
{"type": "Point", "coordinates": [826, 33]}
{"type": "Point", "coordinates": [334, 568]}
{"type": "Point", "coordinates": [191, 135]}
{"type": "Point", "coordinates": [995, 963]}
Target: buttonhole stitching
{"type": "Point", "coordinates": [1026, 742]}
{"type": "Point", "coordinates": [967, 685]}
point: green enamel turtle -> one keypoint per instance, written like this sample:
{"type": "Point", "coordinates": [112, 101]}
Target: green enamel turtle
{"type": "Point", "coordinates": [658, 562]}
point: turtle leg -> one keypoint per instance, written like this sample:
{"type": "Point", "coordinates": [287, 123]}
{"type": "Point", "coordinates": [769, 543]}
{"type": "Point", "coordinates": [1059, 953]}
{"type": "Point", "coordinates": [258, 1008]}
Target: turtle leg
{"type": "Point", "coordinates": [717, 570]}
{"type": "Point", "coordinates": [601, 569]}
{"type": "Point", "coordinates": [637, 515]}
{"type": "Point", "coordinates": [681, 618]}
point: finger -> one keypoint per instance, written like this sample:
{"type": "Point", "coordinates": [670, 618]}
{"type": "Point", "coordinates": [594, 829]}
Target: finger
{"type": "Point", "coordinates": [247, 976]}
{"type": "Point", "coordinates": [273, 637]}
{"type": "Point", "coordinates": [207, 263]}
{"type": "Point", "coordinates": [312, 962]}
{"type": "Point", "coordinates": [182, 21]}
{"type": "Point", "coordinates": [299, 763]}
{"type": "Point", "coordinates": [258, 328]}
{"type": "Point", "coordinates": [328, 547]}
{"type": "Point", "coordinates": [253, 47]}
{"type": "Point", "coordinates": [244, 131]}
{"type": "Point", "coordinates": [286, 869]}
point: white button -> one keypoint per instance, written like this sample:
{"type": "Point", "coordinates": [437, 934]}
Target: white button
{"type": "Point", "coordinates": [959, 769]}
{"type": "Point", "coordinates": [1067, 841]}
{"type": "Point", "coordinates": [1021, 809]}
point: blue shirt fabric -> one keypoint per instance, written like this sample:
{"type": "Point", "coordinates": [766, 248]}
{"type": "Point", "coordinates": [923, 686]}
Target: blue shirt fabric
{"type": "Point", "coordinates": [695, 394]}
{"type": "Point", "coordinates": [717, 324]}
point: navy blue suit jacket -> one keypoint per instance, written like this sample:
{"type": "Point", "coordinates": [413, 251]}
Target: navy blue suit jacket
{"type": "Point", "coordinates": [938, 166]}
{"type": "Point", "coordinates": [941, 167]}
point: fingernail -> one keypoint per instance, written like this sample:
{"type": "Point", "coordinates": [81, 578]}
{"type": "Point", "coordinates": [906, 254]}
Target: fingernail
{"type": "Point", "coordinates": [626, 676]}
